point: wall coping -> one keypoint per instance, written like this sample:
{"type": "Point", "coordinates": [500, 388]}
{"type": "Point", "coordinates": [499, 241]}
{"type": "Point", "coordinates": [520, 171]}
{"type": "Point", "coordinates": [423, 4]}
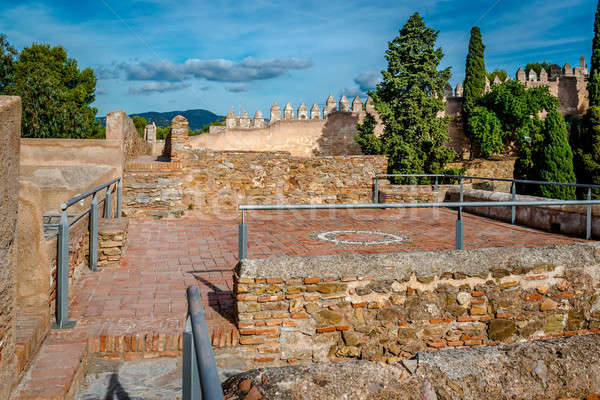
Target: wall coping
{"type": "Point", "coordinates": [400, 266]}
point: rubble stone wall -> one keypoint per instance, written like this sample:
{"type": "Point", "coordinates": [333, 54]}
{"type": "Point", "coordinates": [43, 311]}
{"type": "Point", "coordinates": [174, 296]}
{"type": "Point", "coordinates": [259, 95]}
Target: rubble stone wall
{"type": "Point", "coordinates": [388, 307]}
{"type": "Point", "coordinates": [218, 182]}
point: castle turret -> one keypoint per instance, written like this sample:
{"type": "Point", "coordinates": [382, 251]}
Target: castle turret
{"type": "Point", "coordinates": [315, 112]}
{"type": "Point", "coordinates": [543, 75]}
{"type": "Point", "coordinates": [245, 120]}
{"type": "Point", "coordinates": [302, 112]}
{"type": "Point", "coordinates": [532, 76]}
{"type": "Point", "coordinates": [521, 75]}
{"type": "Point", "coordinates": [275, 113]}
{"type": "Point", "coordinates": [488, 86]}
{"type": "Point", "coordinates": [582, 62]}
{"type": "Point", "coordinates": [567, 69]}
{"type": "Point", "coordinates": [496, 80]}
{"type": "Point", "coordinates": [369, 106]}
{"type": "Point", "coordinates": [356, 105]}
{"type": "Point", "coordinates": [344, 104]}
{"type": "Point", "coordinates": [330, 106]}
{"type": "Point", "coordinates": [258, 121]}
{"type": "Point", "coordinates": [288, 111]}
{"type": "Point", "coordinates": [230, 119]}
{"type": "Point", "coordinates": [458, 91]}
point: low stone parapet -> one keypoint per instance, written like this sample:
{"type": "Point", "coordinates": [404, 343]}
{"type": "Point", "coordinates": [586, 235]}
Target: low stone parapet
{"type": "Point", "coordinates": [388, 307]}
{"type": "Point", "coordinates": [112, 237]}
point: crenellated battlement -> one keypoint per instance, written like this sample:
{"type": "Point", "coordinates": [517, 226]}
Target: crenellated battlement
{"type": "Point", "coordinates": [302, 113]}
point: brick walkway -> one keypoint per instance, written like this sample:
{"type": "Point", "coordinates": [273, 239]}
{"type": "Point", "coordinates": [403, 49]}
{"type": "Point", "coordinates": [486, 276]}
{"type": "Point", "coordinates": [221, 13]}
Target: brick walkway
{"type": "Point", "coordinates": [138, 310]}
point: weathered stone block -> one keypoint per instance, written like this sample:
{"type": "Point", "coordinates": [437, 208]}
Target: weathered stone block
{"type": "Point", "coordinates": [501, 329]}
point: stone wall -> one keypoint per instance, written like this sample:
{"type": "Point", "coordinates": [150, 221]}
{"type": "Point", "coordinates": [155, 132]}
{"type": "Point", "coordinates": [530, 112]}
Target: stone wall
{"type": "Point", "coordinates": [562, 368]}
{"type": "Point", "coordinates": [570, 220]}
{"type": "Point", "coordinates": [10, 132]}
{"type": "Point", "coordinates": [216, 182]}
{"type": "Point", "coordinates": [119, 127]}
{"type": "Point", "coordinates": [112, 237]}
{"type": "Point", "coordinates": [388, 307]}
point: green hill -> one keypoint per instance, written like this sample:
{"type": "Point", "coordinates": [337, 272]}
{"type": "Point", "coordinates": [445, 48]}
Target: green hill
{"type": "Point", "coordinates": [196, 118]}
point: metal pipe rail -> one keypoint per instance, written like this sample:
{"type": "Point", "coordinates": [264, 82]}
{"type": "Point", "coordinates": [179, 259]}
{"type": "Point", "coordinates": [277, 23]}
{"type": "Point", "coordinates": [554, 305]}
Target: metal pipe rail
{"type": "Point", "coordinates": [62, 273]}
{"type": "Point", "coordinates": [513, 190]}
{"type": "Point", "coordinates": [200, 378]}
{"type": "Point", "coordinates": [243, 228]}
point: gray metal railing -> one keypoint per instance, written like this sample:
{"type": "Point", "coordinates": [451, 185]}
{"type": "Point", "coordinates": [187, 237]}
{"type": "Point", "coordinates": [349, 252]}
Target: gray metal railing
{"type": "Point", "coordinates": [513, 190]}
{"type": "Point", "coordinates": [243, 229]}
{"type": "Point", "coordinates": [200, 378]}
{"type": "Point", "coordinates": [66, 220]}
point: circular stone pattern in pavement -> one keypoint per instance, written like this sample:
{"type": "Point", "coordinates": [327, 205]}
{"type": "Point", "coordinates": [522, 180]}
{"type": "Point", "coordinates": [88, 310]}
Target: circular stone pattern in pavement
{"type": "Point", "coordinates": [360, 238]}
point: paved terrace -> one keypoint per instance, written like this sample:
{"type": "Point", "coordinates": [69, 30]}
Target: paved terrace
{"type": "Point", "coordinates": [139, 309]}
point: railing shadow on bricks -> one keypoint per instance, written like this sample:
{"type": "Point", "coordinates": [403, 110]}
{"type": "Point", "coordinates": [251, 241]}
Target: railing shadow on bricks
{"type": "Point", "coordinates": [513, 190]}
{"type": "Point", "coordinates": [200, 379]}
{"type": "Point", "coordinates": [243, 228]}
{"type": "Point", "coordinates": [66, 221]}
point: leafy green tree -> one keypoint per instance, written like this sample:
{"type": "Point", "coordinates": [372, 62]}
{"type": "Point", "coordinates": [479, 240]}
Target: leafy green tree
{"type": "Point", "coordinates": [486, 129]}
{"type": "Point", "coordinates": [56, 95]}
{"type": "Point", "coordinates": [594, 80]}
{"type": "Point", "coordinates": [368, 142]}
{"type": "Point", "coordinates": [589, 149]}
{"type": "Point", "coordinates": [475, 74]}
{"type": "Point", "coordinates": [140, 124]}
{"type": "Point", "coordinates": [555, 158]}
{"type": "Point", "coordinates": [408, 101]}
{"type": "Point", "coordinates": [500, 73]}
{"type": "Point", "coordinates": [7, 63]}
{"type": "Point", "coordinates": [537, 67]}
{"type": "Point", "coordinates": [474, 84]}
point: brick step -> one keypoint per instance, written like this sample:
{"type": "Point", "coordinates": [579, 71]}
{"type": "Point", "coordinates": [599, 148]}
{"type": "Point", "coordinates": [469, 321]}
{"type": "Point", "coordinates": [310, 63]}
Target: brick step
{"type": "Point", "coordinates": [31, 327]}
{"type": "Point", "coordinates": [56, 373]}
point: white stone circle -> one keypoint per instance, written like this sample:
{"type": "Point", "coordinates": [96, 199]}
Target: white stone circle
{"type": "Point", "coordinates": [387, 238]}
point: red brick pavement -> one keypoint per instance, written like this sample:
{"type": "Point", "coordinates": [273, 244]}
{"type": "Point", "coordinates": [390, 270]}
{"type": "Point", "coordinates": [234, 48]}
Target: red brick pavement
{"type": "Point", "coordinates": [146, 296]}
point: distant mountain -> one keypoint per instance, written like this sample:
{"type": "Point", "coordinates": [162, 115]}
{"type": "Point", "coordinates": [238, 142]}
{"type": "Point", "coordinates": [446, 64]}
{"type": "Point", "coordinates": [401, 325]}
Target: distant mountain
{"type": "Point", "coordinates": [196, 118]}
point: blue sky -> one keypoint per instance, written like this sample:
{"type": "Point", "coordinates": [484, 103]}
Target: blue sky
{"type": "Point", "coordinates": [164, 55]}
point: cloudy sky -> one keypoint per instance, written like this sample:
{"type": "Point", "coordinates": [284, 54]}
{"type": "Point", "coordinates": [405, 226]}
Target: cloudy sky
{"type": "Point", "coordinates": [164, 55]}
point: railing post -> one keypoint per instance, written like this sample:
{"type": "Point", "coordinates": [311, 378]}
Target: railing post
{"type": "Point", "coordinates": [94, 233]}
{"type": "Point", "coordinates": [588, 221]}
{"type": "Point", "coordinates": [376, 192]}
{"type": "Point", "coordinates": [459, 222]}
{"type": "Point", "coordinates": [62, 274]}
{"type": "Point", "coordinates": [436, 185]}
{"type": "Point", "coordinates": [119, 199]}
{"type": "Point", "coordinates": [190, 377]}
{"type": "Point", "coordinates": [513, 191]}
{"type": "Point", "coordinates": [242, 239]}
{"type": "Point", "coordinates": [108, 203]}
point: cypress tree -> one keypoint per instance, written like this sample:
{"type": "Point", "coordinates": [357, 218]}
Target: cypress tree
{"type": "Point", "coordinates": [474, 85]}
{"type": "Point", "coordinates": [589, 152]}
{"type": "Point", "coordinates": [594, 80]}
{"type": "Point", "coordinates": [555, 158]}
{"type": "Point", "coordinates": [409, 99]}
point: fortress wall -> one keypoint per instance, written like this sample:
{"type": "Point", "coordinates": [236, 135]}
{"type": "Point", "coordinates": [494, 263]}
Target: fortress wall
{"type": "Point", "coordinates": [215, 183]}
{"type": "Point", "coordinates": [388, 307]}
{"type": "Point", "coordinates": [10, 132]}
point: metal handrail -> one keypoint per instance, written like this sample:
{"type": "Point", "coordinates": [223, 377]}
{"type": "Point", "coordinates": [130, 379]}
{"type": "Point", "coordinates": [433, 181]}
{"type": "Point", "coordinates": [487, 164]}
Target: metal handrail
{"type": "Point", "coordinates": [200, 379]}
{"type": "Point", "coordinates": [62, 273]}
{"type": "Point", "coordinates": [243, 228]}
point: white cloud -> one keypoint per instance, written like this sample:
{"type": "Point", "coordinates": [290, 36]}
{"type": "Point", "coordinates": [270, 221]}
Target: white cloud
{"type": "Point", "coordinates": [157, 87]}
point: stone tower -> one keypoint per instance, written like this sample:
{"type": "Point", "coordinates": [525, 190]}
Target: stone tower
{"type": "Point", "coordinates": [275, 113]}
{"type": "Point", "coordinates": [532, 76]}
{"type": "Point", "coordinates": [302, 112]}
{"type": "Point", "coordinates": [258, 121]}
{"type": "Point", "coordinates": [543, 75]}
{"type": "Point", "coordinates": [369, 106]}
{"type": "Point", "coordinates": [150, 132]}
{"type": "Point", "coordinates": [521, 75]}
{"type": "Point", "coordinates": [356, 105]}
{"type": "Point", "coordinates": [245, 120]}
{"type": "Point", "coordinates": [344, 104]}
{"type": "Point", "coordinates": [315, 112]}
{"type": "Point", "coordinates": [230, 120]}
{"type": "Point", "coordinates": [288, 111]}
{"type": "Point", "coordinates": [330, 106]}
{"type": "Point", "coordinates": [458, 91]}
